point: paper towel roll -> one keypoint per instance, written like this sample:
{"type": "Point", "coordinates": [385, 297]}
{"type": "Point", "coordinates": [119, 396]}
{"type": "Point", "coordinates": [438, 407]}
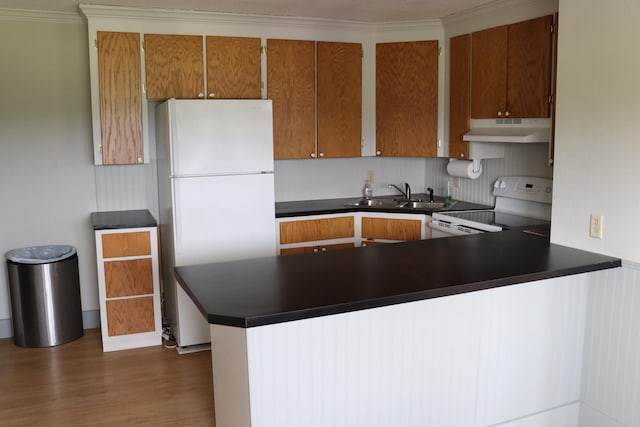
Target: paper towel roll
{"type": "Point", "coordinates": [463, 169]}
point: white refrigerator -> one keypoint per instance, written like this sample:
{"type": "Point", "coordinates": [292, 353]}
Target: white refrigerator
{"type": "Point", "coordinates": [216, 194]}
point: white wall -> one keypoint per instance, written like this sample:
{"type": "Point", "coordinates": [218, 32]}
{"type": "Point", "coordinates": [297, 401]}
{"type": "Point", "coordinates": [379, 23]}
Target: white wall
{"type": "Point", "coordinates": [595, 171]}
{"type": "Point", "coordinates": [46, 170]}
{"type": "Point", "coordinates": [597, 149]}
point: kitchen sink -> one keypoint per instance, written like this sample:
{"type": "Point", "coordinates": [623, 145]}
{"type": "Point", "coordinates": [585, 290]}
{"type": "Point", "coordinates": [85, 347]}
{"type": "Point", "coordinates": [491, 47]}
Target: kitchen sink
{"type": "Point", "coordinates": [418, 204]}
{"type": "Point", "coordinates": [404, 204]}
{"type": "Point", "coordinates": [378, 203]}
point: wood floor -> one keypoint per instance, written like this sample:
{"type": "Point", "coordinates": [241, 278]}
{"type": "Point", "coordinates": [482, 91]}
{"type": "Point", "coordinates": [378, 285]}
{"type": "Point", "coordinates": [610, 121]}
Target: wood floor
{"type": "Point", "coordinates": [76, 384]}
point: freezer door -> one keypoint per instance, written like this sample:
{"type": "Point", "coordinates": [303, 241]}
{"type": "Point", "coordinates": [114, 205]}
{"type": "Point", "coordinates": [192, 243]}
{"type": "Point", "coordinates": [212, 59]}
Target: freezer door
{"type": "Point", "coordinates": [223, 218]}
{"type": "Point", "coordinates": [221, 136]}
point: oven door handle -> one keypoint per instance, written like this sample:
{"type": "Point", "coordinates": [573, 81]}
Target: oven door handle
{"type": "Point", "coordinates": [454, 229]}
{"type": "Point", "coordinates": [449, 230]}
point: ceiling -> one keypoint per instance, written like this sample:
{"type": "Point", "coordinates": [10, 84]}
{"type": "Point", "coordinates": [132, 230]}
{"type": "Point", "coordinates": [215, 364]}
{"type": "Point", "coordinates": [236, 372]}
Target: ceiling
{"type": "Point", "coordinates": [352, 10]}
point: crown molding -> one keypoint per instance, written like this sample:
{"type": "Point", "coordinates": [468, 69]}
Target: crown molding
{"type": "Point", "coordinates": [498, 6]}
{"type": "Point", "coordinates": [30, 15]}
{"type": "Point", "coordinates": [189, 16]}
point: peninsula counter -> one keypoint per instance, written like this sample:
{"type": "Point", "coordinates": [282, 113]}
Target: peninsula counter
{"type": "Point", "coordinates": [419, 333]}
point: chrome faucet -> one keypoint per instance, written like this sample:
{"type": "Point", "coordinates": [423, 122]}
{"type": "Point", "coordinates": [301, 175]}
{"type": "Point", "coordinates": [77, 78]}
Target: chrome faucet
{"type": "Point", "coordinates": [407, 190]}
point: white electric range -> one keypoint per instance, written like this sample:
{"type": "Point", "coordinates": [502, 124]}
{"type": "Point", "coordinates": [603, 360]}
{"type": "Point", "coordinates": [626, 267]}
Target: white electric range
{"type": "Point", "coordinates": [521, 202]}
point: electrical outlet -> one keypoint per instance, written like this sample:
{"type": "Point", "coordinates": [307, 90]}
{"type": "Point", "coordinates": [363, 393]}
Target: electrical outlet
{"type": "Point", "coordinates": [595, 227]}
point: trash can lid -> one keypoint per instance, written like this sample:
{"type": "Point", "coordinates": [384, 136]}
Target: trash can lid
{"type": "Point", "coordinates": [41, 254]}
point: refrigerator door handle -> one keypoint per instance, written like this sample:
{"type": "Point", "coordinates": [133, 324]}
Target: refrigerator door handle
{"type": "Point", "coordinates": [205, 175]}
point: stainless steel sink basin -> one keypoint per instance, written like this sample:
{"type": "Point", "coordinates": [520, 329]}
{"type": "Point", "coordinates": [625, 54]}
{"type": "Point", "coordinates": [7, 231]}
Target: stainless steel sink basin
{"type": "Point", "coordinates": [391, 204]}
{"type": "Point", "coordinates": [378, 203]}
{"type": "Point", "coordinates": [423, 205]}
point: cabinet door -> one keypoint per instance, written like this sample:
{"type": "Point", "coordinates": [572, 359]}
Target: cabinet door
{"type": "Point", "coordinates": [489, 73]}
{"type": "Point", "coordinates": [339, 99]}
{"type": "Point", "coordinates": [233, 67]}
{"type": "Point", "coordinates": [174, 66]}
{"type": "Point", "coordinates": [316, 229]}
{"type": "Point", "coordinates": [407, 99]}
{"type": "Point", "coordinates": [120, 88]}
{"type": "Point", "coordinates": [128, 277]}
{"type": "Point", "coordinates": [130, 316]}
{"type": "Point", "coordinates": [460, 87]}
{"type": "Point", "coordinates": [529, 68]}
{"type": "Point", "coordinates": [291, 85]}
{"type": "Point", "coordinates": [391, 229]}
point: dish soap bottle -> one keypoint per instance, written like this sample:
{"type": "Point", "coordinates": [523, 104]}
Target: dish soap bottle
{"type": "Point", "coordinates": [368, 186]}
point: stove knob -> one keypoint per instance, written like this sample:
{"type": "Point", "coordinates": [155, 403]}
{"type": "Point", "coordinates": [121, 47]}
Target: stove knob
{"type": "Point", "coordinates": [503, 184]}
{"type": "Point", "coordinates": [497, 184]}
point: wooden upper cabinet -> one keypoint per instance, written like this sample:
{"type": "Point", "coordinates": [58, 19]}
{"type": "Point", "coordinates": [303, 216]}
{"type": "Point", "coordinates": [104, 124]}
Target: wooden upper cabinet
{"type": "Point", "coordinates": [120, 93]}
{"type": "Point", "coordinates": [233, 67]}
{"type": "Point", "coordinates": [407, 99]}
{"type": "Point", "coordinates": [339, 68]}
{"type": "Point", "coordinates": [511, 70]}
{"type": "Point", "coordinates": [174, 66]}
{"type": "Point", "coordinates": [489, 73]}
{"type": "Point", "coordinates": [529, 71]}
{"type": "Point", "coordinates": [291, 86]}
{"type": "Point", "coordinates": [460, 92]}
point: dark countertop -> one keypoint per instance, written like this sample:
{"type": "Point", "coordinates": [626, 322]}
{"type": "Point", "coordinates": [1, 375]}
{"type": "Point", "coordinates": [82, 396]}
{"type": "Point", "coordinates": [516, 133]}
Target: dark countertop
{"type": "Point", "coordinates": [285, 288]}
{"type": "Point", "coordinates": [113, 220]}
{"type": "Point", "coordinates": [330, 206]}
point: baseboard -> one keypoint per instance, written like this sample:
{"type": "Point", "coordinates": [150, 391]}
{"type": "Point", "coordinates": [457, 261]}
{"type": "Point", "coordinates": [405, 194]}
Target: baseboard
{"type": "Point", "coordinates": [563, 416]}
{"type": "Point", "coordinates": [193, 348]}
{"type": "Point", "coordinates": [90, 320]}
{"type": "Point", "coordinates": [590, 417]}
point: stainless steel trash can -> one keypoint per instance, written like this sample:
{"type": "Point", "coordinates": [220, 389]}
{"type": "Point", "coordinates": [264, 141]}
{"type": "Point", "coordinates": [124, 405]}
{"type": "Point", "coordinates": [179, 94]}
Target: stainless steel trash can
{"type": "Point", "coordinates": [45, 295]}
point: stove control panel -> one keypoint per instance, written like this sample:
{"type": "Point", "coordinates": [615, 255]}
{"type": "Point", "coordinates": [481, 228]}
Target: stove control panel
{"type": "Point", "coordinates": [529, 188]}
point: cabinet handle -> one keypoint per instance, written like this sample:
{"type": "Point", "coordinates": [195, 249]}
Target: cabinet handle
{"type": "Point", "coordinates": [201, 95]}
{"type": "Point", "coordinates": [313, 155]}
{"type": "Point", "coordinates": [378, 153]}
{"type": "Point", "coordinates": [315, 249]}
{"type": "Point", "coordinates": [321, 154]}
{"type": "Point", "coordinates": [212, 95]}
{"type": "Point", "coordinates": [499, 113]}
{"type": "Point", "coordinates": [461, 154]}
{"type": "Point", "coordinates": [506, 114]}
{"type": "Point", "coordinates": [364, 243]}
{"type": "Point", "coordinates": [323, 249]}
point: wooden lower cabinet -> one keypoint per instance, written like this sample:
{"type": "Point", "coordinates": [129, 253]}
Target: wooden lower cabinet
{"type": "Point", "coordinates": [321, 233]}
{"type": "Point", "coordinates": [129, 288]}
{"type": "Point", "coordinates": [389, 228]}
{"type": "Point", "coordinates": [318, 233]}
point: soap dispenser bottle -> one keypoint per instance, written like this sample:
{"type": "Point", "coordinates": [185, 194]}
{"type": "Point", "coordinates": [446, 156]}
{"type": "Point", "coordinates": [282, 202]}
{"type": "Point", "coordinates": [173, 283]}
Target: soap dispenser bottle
{"type": "Point", "coordinates": [367, 191]}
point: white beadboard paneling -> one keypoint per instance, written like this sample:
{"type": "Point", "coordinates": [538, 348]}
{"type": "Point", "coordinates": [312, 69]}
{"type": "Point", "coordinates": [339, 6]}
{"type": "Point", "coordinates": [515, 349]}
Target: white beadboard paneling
{"type": "Point", "coordinates": [589, 417]}
{"type": "Point", "coordinates": [335, 178]}
{"type": "Point", "coordinates": [127, 187]}
{"type": "Point", "coordinates": [564, 416]}
{"type": "Point", "coordinates": [611, 375]}
{"type": "Point", "coordinates": [504, 355]}
{"type": "Point", "coordinates": [407, 365]}
{"type": "Point", "coordinates": [519, 159]}
{"type": "Point", "coordinates": [531, 348]}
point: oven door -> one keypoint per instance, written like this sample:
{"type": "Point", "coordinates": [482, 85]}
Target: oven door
{"type": "Point", "coordinates": [446, 229]}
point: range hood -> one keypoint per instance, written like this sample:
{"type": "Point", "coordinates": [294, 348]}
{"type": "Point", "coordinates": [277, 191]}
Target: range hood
{"type": "Point", "coordinates": [516, 131]}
